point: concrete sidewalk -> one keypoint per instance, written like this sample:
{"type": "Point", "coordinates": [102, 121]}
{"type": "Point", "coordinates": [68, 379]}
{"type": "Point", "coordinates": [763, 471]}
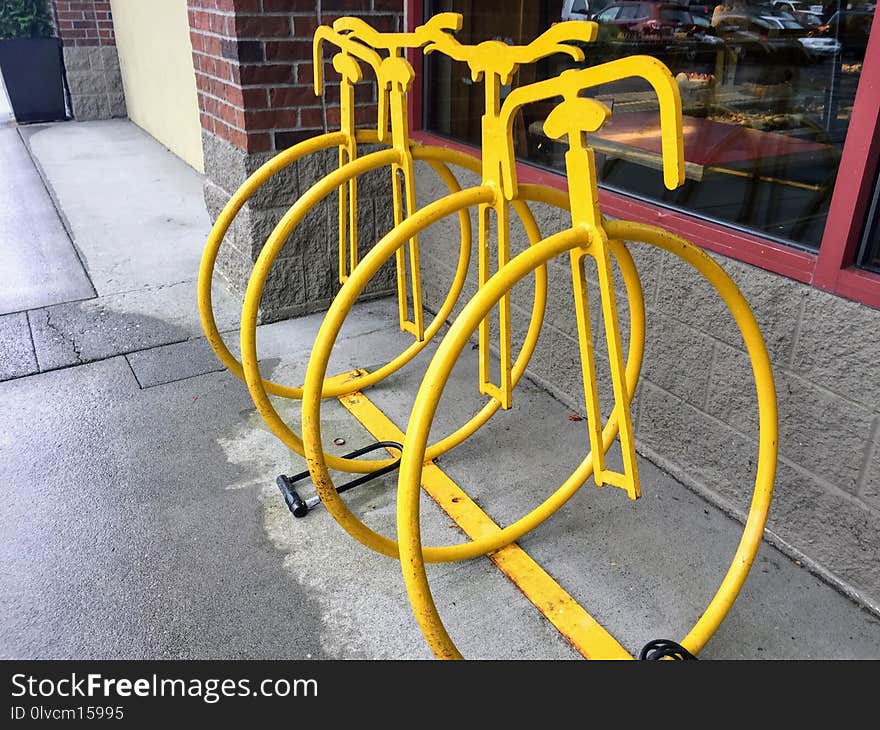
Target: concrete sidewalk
{"type": "Point", "coordinates": [143, 520]}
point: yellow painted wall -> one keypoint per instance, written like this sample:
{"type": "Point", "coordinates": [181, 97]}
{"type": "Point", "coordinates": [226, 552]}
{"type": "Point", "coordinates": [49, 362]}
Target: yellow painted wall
{"type": "Point", "coordinates": [155, 55]}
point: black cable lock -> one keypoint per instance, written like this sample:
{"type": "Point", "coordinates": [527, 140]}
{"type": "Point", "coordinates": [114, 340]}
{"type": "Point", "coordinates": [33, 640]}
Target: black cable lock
{"type": "Point", "coordinates": [301, 507]}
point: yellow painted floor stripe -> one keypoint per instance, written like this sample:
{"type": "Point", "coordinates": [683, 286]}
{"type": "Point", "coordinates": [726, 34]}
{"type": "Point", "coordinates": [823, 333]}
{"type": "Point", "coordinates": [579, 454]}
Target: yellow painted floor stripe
{"type": "Point", "coordinates": [581, 630]}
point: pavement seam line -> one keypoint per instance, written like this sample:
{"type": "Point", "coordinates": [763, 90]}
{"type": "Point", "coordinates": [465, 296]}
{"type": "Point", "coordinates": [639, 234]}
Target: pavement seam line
{"type": "Point", "coordinates": [27, 321]}
{"type": "Point", "coordinates": [133, 373]}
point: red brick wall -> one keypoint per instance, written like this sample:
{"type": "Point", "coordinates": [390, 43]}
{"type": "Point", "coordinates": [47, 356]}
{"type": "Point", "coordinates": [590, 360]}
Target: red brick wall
{"type": "Point", "coordinates": [85, 22]}
{"type": "Point", "coordinates": [253, 67]}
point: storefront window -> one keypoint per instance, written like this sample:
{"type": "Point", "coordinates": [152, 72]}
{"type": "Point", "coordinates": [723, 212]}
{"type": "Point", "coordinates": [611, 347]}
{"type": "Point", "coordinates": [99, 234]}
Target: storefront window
{"type": "Point", "coordinates": [767, 93]}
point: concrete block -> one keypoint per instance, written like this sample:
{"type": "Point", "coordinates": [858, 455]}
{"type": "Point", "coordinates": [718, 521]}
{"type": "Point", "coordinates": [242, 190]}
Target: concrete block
{"type": "Point", "coordinates": [109, 56]}
{"type": "Point", "coordinates": [319, 274]}
{"type": "Point", "coordinates": [429, 187]}
{"type": "Point", "coordinates": [520, 321]}
{"type": "Point", "coordinates": [383, 216]}
{"type": "Point", "coordinates": [437, 279]}
{"type": "Point", "coordinates": [560, 298]}
{"type": "Point", "coordinates": [311, 246]}
{"type": "Point", "coordinates": [285, 290]}
{"type": "Point", "coordinates": [215, 198]}
{"type": "Point", "coordinates": [254, 226]}
{"type": "Point", "coordinates": [549, 218]}
{"type": "Point", "coordinates": [96, 58]}
{"type": "Point", "coordinates": [436, 285]}
{"type": "Point", "coordinates": [818, 430]}
{"type": "Point", "coordinates": [76, 59]}
{"type": "Point", "coordinates": [523, 292]}
{"type": "Point", "coordinates": [368, 236]}
{"type": "Point", "coordinates": [282, 189]}
{"type": "Point", "coordinates": [695, 447]}
{"type": "Point", "coordinates": [686, 295]}
{"type": "Point", "coordinates": [678, 358]}
{"type": "Point", "coordinates": [90, 108]}
{"type": "Point", "coordinates": [87, 83]}
{"type": "Point", "coordinates": [870, 491]}
{"type": "Point", "coordinates": [831, 529]}
{"type": "Point", "coordinates": [113, 80]}
{"type": "Point", "coordinates": [118, 108]}
{"type": "Point", "coordinates": [17, 355]}
{"type": "Point", "coordinates": [233, 267]}
{"type": "Point", "coordinates": [229, 167]}
{"type": "Point", "coordinates": [226, 166]}
{"type": "Point", "coordinates": [648, 265]}
{"type": "Point", "coordinates": [386, 277]}
{"type": "Point", "coordinates": [376, 183]}
{"type": "Point", "coordinates": [556, 367]}
{"type": "Point", "coordinates": [835, 348]}
{"type": "Point", "coordinates": [382, 285]}
{"type": "Point", "coordinates": [312, 168]}
{"type": "Point", "coordinates": [732, 397]}
{"type": "Point", "coordinates": [466, 178]}
{"type": "Point", "coordinates": [775, 301]}
{"type": "Point", "coordinates": [441, 241]}
{"type": "Point", "coordinates": [564, 368]}
{"type": "Point", "coordinates": [251, 228]}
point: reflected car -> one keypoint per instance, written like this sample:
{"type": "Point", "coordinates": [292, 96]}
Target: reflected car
{"type": "Point", "coordinates": [851, 29]}
{"type": "Point", "coordinates": [808, 20]}
{"type": "Point", "coordinates": [665, 30]}
{"type": "Point", "coordinates": [796, 8]}
{"type": "Point", "coordinates": [584, 9]}
{"type": "Point", "coordinates": [648, 20]}
{"type": "Point", "coordinates": [740, 22]}
{"type": "Point", "coordinates": [762, 36]}
{"type": "Point", "coordinates": [820, 46]}
{"type": "Point", "coordinates": [577, 9]}
{"type": "Point", "coordinates": [814, 42]}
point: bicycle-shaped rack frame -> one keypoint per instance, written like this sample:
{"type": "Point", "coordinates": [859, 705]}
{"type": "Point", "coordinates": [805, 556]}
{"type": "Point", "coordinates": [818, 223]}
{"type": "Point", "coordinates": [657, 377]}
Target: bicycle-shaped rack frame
{"type": "Point", "coordinates": [589, 235]}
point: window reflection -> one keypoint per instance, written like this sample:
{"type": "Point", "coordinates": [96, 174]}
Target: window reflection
{"type": "Point", "coordinates": [767, 93]}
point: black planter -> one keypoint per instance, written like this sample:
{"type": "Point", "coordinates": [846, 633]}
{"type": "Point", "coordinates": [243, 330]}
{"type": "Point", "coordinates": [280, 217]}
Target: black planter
{"type": "Point", "coordinates": [34, 75]}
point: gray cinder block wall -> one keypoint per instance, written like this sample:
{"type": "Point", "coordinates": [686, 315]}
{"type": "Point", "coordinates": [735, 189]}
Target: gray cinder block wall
{"type": "Point", "coordinates": [91, 61]}
{"type": "Point", "coordinates": [255, 84]}
{"type": "Point", "coordinates": [695, 407]}
{"type": "Point", "coordinates": [304, 276]}
{"type": "Point", "coordinates": [95, 82]}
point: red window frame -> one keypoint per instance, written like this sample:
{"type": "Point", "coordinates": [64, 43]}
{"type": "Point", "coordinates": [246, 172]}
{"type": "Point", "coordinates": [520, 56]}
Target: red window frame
{"type": "Point", "coordinates": [831, 269]}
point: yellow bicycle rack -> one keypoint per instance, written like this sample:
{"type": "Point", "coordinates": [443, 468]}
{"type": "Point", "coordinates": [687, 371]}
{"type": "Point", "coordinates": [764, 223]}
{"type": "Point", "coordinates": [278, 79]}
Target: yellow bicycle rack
{"type": "Point", "coordinates": [572, 120]}
{"type": "Point", "coordinates": [398, 157]}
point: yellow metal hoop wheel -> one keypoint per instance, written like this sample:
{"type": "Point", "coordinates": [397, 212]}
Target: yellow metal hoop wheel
{"type": "Point", "coordinates": [361, 274]}
{"type": "Point", "coordinates": [333, 322]}
{"type": "Point", "coordinates": [247, 191]}
{"type": "Point", "coordinates": [219, 230]}
{"type": "Point", "coordinates": [413, 555]}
